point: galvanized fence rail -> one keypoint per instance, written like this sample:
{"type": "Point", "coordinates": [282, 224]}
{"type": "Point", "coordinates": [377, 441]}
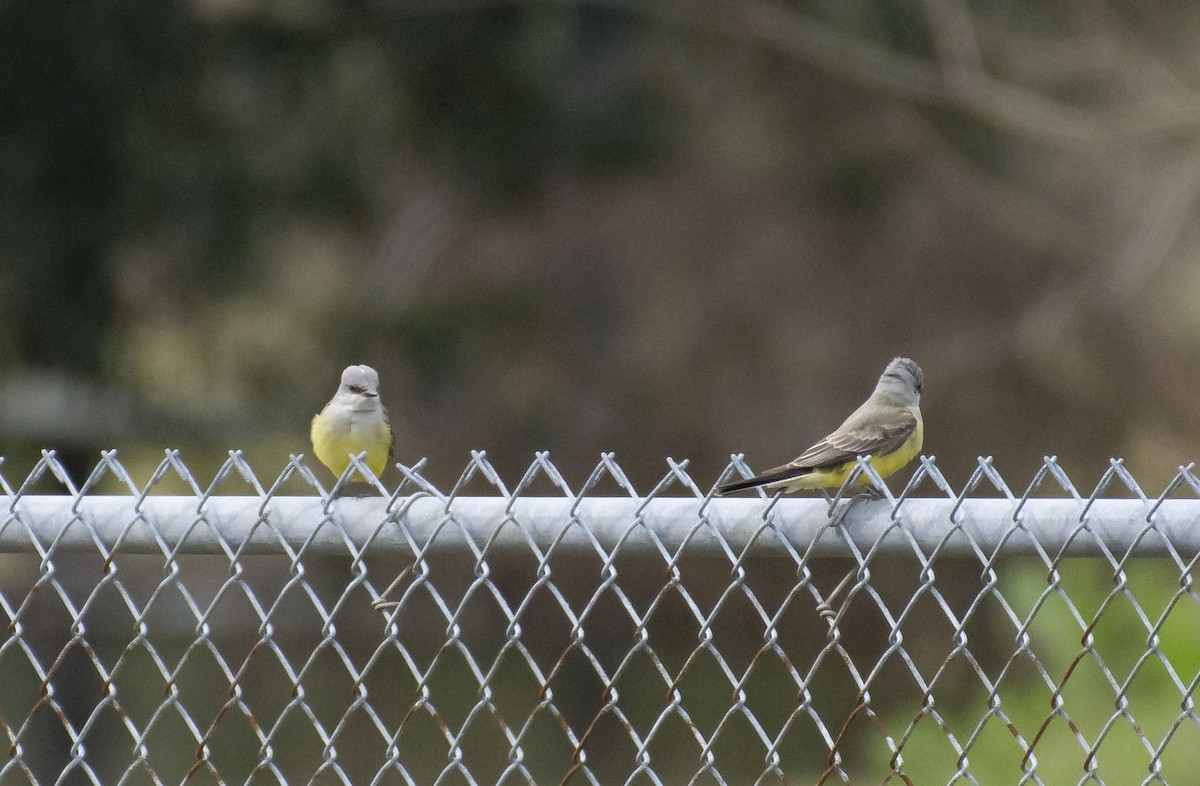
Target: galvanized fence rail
{"type": "Point", "coordinates": [241, 631]}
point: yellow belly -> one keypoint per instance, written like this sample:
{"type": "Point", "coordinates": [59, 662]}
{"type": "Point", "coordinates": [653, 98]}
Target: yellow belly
{"type": "Point", "coordinates": [334, 446]}
{"type": "Point", "coordinates": [834, 477]}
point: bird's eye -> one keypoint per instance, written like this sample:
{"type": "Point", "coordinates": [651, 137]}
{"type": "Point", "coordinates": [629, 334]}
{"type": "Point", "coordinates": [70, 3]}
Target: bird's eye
{"type": "Point", "coordinates": [357, 389]}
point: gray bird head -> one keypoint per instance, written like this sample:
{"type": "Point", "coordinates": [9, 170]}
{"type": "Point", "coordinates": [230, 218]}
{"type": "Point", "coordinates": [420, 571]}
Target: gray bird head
{"type": "Point", "coordinates": [902, 379]}
{"type": "Point", "coordinates": [359, 381]}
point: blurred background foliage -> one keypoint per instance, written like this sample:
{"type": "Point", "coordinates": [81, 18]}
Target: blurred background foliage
{"type": "Point", "coordinates": [671, 229]}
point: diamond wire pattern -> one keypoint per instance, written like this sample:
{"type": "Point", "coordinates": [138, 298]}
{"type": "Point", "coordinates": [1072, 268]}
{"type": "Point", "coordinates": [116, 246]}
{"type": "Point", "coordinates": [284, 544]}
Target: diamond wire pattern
{"type": "Point", "coordinates": [628, 656]}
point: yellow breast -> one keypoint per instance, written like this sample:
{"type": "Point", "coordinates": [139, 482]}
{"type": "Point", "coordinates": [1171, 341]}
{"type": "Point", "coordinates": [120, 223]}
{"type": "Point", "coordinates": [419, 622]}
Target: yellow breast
{"type": "Point", "coordinates": [334, 443]}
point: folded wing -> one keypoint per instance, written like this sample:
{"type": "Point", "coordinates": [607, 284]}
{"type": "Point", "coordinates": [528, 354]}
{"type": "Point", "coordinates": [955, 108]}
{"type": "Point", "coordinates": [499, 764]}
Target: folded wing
{"type": "Point", "coordinates": [878, 438]}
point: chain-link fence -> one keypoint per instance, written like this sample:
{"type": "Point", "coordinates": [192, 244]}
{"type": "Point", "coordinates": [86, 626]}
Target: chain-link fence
{"type": "Point", "coordinates": [231, 631]}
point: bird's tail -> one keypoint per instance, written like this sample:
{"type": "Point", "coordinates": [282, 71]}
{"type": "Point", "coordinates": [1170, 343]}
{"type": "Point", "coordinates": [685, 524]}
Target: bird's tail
{"type": "Point", "coordinates": [771, 476]}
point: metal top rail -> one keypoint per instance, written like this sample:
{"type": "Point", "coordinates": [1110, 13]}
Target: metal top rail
{"type": "Point", "coordinates": [985, 518]}
{"type": "Point", "coordinates": [750, 527]}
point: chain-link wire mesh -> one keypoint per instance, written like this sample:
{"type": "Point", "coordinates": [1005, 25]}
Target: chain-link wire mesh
{"type": "Point", "coordinates": [232, 631]}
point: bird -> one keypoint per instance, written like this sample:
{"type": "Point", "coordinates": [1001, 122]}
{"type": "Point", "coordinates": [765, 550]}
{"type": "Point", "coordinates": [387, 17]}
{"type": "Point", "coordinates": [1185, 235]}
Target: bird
{"type": "Point", "coordinates": [887, 426]}
{"type": "Point", "coordinates": [354, 421]}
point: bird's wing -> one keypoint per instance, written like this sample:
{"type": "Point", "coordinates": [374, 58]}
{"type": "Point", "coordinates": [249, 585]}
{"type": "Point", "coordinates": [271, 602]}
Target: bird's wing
{"type": "Point", "coordinates": [387, 423]}
{"type": "Point", "coordinates": [879, 438]}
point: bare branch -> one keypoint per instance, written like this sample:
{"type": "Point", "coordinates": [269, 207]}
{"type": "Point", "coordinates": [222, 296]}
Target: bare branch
{"type": "Point", "coordinates": [1163, 221]}
{"type": "Point", "coordinates": [959, 81]}
{"type": "Point", "coordinates": [955, 41]}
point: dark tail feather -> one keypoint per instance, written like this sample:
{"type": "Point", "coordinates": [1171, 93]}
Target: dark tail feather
{"type": "Point", "coordinates": [772, 476]}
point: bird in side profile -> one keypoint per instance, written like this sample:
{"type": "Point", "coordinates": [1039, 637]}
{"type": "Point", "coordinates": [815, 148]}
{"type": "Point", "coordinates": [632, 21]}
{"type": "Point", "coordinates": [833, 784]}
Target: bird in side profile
{"type": "Point", "coordinates": [353, 422]}
{"type": "Point", "coordinates": [887, 426]}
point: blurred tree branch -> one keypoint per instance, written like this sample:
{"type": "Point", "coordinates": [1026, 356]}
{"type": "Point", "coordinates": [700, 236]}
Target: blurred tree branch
{"type": "Point", "coordinates": [960, 80]}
